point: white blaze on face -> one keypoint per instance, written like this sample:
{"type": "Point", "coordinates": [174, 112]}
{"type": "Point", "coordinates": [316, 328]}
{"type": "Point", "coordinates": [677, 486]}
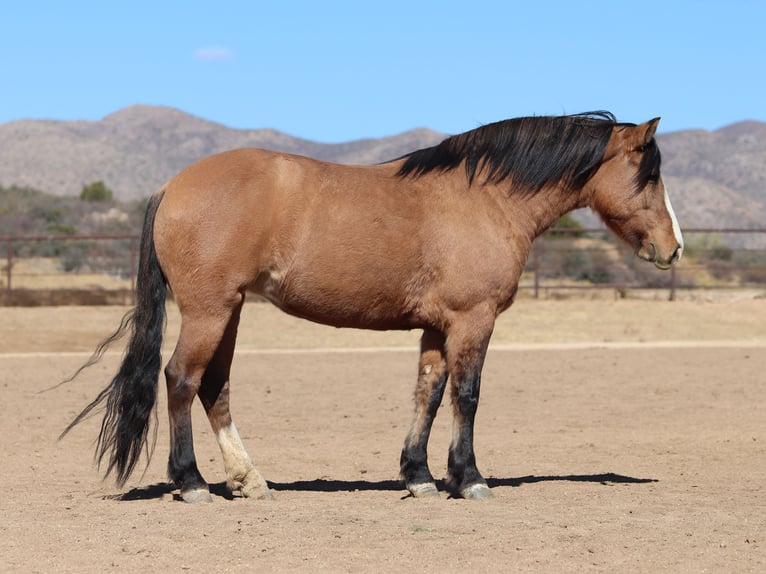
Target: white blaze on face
{"type": "Point", "coordinates": [676, 227]}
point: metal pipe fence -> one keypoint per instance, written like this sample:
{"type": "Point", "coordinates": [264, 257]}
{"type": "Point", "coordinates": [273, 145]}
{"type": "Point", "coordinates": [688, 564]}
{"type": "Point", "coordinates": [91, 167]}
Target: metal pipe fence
{"type": "Point", "coordinates": [70, 269]}
{"type": "Point", "coordinates": [715, 259]}
{"type": "Point", "coordinates": [101, 269]}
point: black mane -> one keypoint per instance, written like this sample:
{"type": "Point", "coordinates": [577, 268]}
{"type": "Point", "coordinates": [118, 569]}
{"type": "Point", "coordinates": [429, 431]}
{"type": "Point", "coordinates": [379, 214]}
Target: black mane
{"type": "Point", "coordinates": [531, 152]}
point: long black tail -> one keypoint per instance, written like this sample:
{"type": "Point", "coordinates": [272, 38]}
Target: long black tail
{"type": "Point", "coordinates": [131, 396]}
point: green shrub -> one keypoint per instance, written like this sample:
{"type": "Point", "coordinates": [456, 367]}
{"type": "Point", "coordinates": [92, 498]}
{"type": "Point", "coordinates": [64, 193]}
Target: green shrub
{"type": "Point", "coordinates": [96, 191]}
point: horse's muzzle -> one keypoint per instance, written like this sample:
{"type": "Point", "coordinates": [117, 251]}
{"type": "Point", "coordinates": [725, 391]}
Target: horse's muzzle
{"type": "Point", "coordinates": [653, 256]}
{"type": "Point", "coordinates": [649, 252]}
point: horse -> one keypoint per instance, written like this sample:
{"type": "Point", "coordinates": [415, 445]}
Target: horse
{"type": "Point", "coordinates": [435, 240]}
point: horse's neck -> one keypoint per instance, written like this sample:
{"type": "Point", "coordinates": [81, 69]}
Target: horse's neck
{"type": "Point", "coordinates": [539, 211]}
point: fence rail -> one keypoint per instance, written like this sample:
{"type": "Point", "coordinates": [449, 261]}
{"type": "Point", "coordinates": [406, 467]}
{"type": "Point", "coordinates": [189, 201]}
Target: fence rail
{"type": "Point", "coordinates": [716, 259]}
{"type": "Point", "coordinates": [101, 269]}
{"type": "Point", "coordinates": [70, 269]}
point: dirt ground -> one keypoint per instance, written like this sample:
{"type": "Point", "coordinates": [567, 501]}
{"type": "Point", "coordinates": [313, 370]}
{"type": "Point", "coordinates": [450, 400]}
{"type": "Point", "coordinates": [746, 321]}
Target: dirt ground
{"type": "Point", "coordinates": [618, 436]}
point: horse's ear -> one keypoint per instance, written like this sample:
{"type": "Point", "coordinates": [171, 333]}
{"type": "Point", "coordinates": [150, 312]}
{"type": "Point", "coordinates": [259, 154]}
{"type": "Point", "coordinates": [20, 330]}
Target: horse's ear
{"type": "Point", "coordinates": [649, 129]}
{"type": "Point", "coordinates": [638, 137]}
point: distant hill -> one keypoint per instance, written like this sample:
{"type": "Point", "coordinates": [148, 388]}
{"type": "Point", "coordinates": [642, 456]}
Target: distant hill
{"type": "Point", "coordinates": [138, 148]}
{"type": "Point", "coordinates": [716, 178]}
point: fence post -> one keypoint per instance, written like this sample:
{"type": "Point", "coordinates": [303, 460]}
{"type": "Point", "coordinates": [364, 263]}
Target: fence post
{"type": "Point", "coordinates": [133, 270]}
{"type": "Point", "coordinates": [536, 266]}
{"type": "Point", "coordinates": [8, 271]}
{"type": "Point", "coordinates": [672, 283]}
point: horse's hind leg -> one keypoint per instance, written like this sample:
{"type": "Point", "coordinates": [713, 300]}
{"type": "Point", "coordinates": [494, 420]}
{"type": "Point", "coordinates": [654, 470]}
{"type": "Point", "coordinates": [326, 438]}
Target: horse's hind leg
{"type": "Point", "coordinates": [432, 379]}
{"type": "Point", "coordinates": [201, 334]}
{"type": "Point", "coordinates": [214, 394]}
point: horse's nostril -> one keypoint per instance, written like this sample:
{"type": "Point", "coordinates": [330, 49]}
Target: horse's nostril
{"type": "Point", "coordinates": [676, 254]}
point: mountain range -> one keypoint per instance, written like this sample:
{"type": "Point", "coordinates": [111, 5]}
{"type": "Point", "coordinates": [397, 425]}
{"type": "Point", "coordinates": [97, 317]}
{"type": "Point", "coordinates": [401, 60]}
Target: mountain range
{"type": "Point", "coordinates": [716, 178]}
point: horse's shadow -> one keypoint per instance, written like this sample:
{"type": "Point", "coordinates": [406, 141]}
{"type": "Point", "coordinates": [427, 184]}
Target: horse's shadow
{"type": "Point", "coordinates": [161, 489]}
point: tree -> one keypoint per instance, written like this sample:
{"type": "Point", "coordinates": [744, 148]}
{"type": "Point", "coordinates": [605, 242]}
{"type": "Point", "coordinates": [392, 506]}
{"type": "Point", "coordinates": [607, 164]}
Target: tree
{"type": "Point", "coordinates": [566, 222]}
{"type": "Point", "coordinates": [96, 191]}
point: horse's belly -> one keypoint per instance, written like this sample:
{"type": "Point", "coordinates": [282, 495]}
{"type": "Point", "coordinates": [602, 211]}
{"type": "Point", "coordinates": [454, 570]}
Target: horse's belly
{"type": "Point", "coordinates": [359, 302]}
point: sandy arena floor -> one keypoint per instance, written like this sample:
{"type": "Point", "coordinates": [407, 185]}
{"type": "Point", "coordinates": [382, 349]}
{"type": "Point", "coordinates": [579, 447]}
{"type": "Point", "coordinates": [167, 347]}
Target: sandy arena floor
{"type": "Point", "coordinates": [620, 436]}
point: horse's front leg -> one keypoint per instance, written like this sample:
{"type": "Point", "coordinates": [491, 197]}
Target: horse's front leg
{"type": "Point", "coordinates": [432, 379]}
{"type": "Point", "coordinates": [466, 348]}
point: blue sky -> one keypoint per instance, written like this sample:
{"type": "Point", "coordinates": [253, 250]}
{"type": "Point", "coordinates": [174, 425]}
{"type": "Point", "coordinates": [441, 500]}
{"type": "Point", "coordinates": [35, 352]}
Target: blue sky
{"type": "Point", "coordinates": [335, 71]}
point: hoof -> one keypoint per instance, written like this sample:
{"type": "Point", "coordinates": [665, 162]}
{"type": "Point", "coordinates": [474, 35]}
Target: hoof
{"type": "Point", "coordinates": [196, 495]}
{"type": "Point", "coordinates": [423, 490]}
{"type": "Point", "coordinates": [477, 492]}
{"type": "Point", "coordinates": [258, 493]}
{"type": "Point", "coordinates": [253, 486]}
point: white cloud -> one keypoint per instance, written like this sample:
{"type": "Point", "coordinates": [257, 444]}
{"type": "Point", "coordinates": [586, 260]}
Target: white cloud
{"type": "Point", "coordinates": [213, 54]}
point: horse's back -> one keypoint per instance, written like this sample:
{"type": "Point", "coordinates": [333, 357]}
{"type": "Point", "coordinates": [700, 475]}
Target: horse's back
{"type": "Point", "coordinates": [317, 239]}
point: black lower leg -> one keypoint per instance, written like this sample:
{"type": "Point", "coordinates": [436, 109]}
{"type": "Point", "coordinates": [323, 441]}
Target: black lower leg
{"type": "Point", "coordinates": [182, 464]}
{"type": "Point", "coordinates": [414, 459]}
{"type": "Point", "coordinates": [461, 464]}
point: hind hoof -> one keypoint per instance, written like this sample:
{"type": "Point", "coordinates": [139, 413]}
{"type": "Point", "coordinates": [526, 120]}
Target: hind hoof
{"type": "Point", "coordinates": [253, 486]}
{"type": "Point", "coordinates": [196, 495]}
{"type": "Point", "coordinates": [258, 493]}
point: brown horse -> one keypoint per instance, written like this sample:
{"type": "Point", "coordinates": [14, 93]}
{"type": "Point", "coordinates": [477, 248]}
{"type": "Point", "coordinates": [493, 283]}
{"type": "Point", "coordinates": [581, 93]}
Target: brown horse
{"type": "Point", "coordinates": [435, 240]}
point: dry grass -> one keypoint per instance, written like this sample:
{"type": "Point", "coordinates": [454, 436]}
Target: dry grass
{"type": "Point", "coordinates": [528, 322]}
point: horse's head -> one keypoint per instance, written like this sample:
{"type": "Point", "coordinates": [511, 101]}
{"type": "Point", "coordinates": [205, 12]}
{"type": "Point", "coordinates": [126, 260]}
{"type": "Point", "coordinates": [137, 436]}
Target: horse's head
{"type": "Point", "coordinates": [628, 193]}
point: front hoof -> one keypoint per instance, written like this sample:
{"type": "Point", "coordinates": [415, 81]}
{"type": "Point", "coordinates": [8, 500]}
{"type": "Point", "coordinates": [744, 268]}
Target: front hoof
{"type": "Point", "coordinates": [423, 490]}
{"type": "Point", "coordinates": [477, 492]}
{"type": "Point", "coordinates": [196, 495]}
